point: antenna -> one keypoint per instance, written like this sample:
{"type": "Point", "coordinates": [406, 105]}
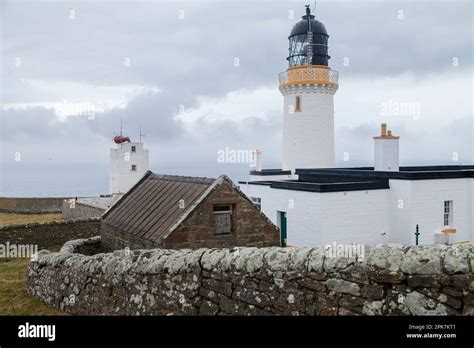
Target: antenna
{"type": "Point", "coordinates": [309, 38]}
{"type": "Point", "coordinates": [142, 135]}
{"type": "Point", "coordinates": [121, 133]}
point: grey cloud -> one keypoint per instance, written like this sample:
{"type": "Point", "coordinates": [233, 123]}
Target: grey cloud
{"type": "Point", "coordinates": [196, 53]}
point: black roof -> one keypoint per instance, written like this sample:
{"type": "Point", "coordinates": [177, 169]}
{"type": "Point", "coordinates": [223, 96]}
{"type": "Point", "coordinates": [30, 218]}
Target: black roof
{"type": "Point", "coordinates": [360, 178]}
{"type": "Point", "coordinates": [301, 45]}
{"type": "Point", "coordinates": [404, 173]}
{"type": "Point", "coordinates": [301, 27]}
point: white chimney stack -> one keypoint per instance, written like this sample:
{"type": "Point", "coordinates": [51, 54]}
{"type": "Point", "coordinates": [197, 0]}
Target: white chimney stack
{"type": "Point", "coordinates": [386, 151]}
{"type": "Point", "coordinates": [257, 160]}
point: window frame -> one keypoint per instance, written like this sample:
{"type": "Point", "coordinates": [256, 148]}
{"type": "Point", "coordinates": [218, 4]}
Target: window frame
{"type": "Point", "coordinates": [298, 103]}
{"type": "Point", "coordinates": [257, 201]}
{"type": "Point", "coordinates": [216, 210]}
{"type": "Point", "coordinates": [448, 213]}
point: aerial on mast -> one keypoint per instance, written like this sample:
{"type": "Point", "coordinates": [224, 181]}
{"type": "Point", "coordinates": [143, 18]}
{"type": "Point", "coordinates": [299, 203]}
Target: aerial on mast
{"type": "Point", "coordinates": [142, 135]}
{"type": "Point", "coordinates": [309, 38]}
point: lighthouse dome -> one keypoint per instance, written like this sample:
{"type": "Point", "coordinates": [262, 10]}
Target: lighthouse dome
{"type": "Point", "coordinates": [302, 46]}
{"type": "Point", "coordinates": [302, 27]}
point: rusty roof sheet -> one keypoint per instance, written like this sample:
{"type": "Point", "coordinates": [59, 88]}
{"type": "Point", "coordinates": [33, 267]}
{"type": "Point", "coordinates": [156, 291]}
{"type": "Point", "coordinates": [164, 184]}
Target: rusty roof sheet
{"type": "Point", "coordinates": [155, 204]}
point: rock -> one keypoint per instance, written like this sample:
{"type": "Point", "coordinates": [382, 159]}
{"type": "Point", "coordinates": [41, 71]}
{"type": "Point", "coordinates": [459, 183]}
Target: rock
{"type": "Point", "coordinates": [456, 260]}
{"type": "Point", "coordinates": [299, 259]}
{"type": "Point", "coordinates": [468, 310]}
{"type": "Point", "coordinates": [386, 257]}
{"type": "Point", "coordinates": [208, 308]}
{"type": "Point", "coordinates": [277, 259]}
{"type": "Point", "coordinates": [343, 286]}
{"type": "Point", "coordinates": [385, 276]}
{"type": "Point", "coordinates": [251, 296]}
{"type": "Point", "coordinates": [427, 281]}
{"type": "Point", "coordinates": [418, 304]}
{"type": "Point", "coordinates": [210, 259]}
{"type": "Point", "coordinates": [224, 288]}
{"type": "Point", "coordinates": [372, 291]}
{"type": "Point", "coordinates": [352, 303]}
{"type": "Point", "coordinates": [422, 260]}
{"type": "Point", "coordinates": [316, 260]}
{"type": "Point", "coordinates": [373, 308]}
{"type": "Point", "coordinates": [463, 281]}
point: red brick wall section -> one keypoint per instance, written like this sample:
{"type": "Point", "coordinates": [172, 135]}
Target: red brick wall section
{"type": "Point", "coordinates": [249, 226]}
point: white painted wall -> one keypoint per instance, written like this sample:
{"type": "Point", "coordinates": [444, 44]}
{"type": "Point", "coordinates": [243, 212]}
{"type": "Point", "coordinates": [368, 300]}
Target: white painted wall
{"type": "Point", "coordinates": [315, 218]}
{"type": "Point", "coordinates": [372, 216]}
{"type": "Point", "coordinates": [272, 177]}
{"type": "Point", "coordinates": [427, 208]}
{"type": "Point", "coordinates": [360, 217]}
{"type": "Point", "coordinates": [386, 154]}
{"type": "Point", "coordinates": [308, 136]}
{"type": "Point", "coordinates": [122, 178]}
{"type": "Point", "coordinates": [400, 212]}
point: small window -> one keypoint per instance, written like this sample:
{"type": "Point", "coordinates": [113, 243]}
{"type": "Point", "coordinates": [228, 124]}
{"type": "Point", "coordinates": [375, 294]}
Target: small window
{"type": "Point", "coordinates": [222, 215]}
{"type": "Point", "coordinates": [298, 104]}
{"type": "Point", "coordinates": [134, 167]}
{"type": "Point", "coordinates": [134, 148]}
{"type": "Point", "coordinates": [257, 202]}
{"type": "Point", "coordinates": [448, 213]}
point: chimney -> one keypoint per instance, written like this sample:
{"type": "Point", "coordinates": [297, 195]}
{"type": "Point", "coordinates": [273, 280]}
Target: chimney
{"type": "Point", "coordinates": [257, 160]}
{"type": "Point", "coordinates": [383, 129]}
{"type": "Point", "coordinates": [386, 150]}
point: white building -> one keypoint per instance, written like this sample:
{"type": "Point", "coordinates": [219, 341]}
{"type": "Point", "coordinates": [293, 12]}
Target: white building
{"type": "Point", "coordinates": [314, 203]}
{"type": "Point", "coordinates": [128, 164]}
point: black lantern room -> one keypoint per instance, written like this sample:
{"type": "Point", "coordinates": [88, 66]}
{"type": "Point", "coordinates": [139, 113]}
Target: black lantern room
{"type": "Point", "coordinates": [308, 42]}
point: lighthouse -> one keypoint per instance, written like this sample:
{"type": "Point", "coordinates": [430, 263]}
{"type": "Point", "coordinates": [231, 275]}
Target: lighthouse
{"type": "Point", "coordinates": [128, 164]}
{"type": "Point", "coordinates": [308, 86]}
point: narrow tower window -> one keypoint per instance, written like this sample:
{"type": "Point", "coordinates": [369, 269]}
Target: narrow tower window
{"type": "Point", "coordinates": [448, 213]}
{"type": "Point", "coordinates": [298, 103]}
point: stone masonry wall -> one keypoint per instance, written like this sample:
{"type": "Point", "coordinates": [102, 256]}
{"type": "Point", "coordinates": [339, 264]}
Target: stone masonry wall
{"type": "Point", "coordinates": [31, 205]}
{"type": "Point", "coordinates": [80, 211]}
{"type": "Point", "coordinates": [49, 234]}
{"type": "Point", "coordinates": [384, 280]}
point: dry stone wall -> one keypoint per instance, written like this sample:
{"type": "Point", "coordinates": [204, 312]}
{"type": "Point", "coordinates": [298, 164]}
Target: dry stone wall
{"type": "Point", "coordinates": [49, 234]}
{"type": "Point", "coordinates": [80, 211]}
{"type": "Point", "coordinates": [388, 280]}
{"type": "Point", "coordinates": [31, 205]}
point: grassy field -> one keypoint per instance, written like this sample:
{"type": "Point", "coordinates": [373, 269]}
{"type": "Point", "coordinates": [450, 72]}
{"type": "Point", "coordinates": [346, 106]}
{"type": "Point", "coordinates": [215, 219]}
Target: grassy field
{"type": "Point", "coordinates": [13, 219]}
{"type": "Point", "coordinates": [14, 299]}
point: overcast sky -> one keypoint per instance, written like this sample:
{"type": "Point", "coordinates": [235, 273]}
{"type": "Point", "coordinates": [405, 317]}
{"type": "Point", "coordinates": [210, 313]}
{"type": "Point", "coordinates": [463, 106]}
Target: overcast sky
{"type": "Point", "coordinates": [200, 76]}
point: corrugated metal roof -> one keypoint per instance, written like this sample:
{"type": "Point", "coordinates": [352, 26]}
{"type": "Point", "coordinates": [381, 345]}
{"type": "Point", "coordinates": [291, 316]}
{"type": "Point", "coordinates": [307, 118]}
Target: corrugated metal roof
{"type": "Point", "coordinates": [152, 206]}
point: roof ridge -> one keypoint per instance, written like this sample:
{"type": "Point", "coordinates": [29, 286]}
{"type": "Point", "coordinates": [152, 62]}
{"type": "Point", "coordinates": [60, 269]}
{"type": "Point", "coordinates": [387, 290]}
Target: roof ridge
{"type": "Point", "coordinates": [186, 178]}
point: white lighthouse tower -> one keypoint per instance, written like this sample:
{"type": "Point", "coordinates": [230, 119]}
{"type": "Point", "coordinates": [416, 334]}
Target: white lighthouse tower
{"type": "Point", "coordinates": [308, 87]}
{"type": "Point", "coordinates": [128, 164]}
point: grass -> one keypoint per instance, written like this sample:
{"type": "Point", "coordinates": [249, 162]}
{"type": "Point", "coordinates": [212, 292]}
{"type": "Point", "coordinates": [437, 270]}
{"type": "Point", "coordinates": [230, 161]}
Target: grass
{"type": "Point", "coordinates": [14, 300]}
{"type": "Point", "coordinates": [14, 219]}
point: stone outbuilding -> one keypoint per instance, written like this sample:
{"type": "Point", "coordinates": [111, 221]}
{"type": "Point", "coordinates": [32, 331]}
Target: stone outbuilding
{"type": "Point", "coordinates": [164, 211]}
